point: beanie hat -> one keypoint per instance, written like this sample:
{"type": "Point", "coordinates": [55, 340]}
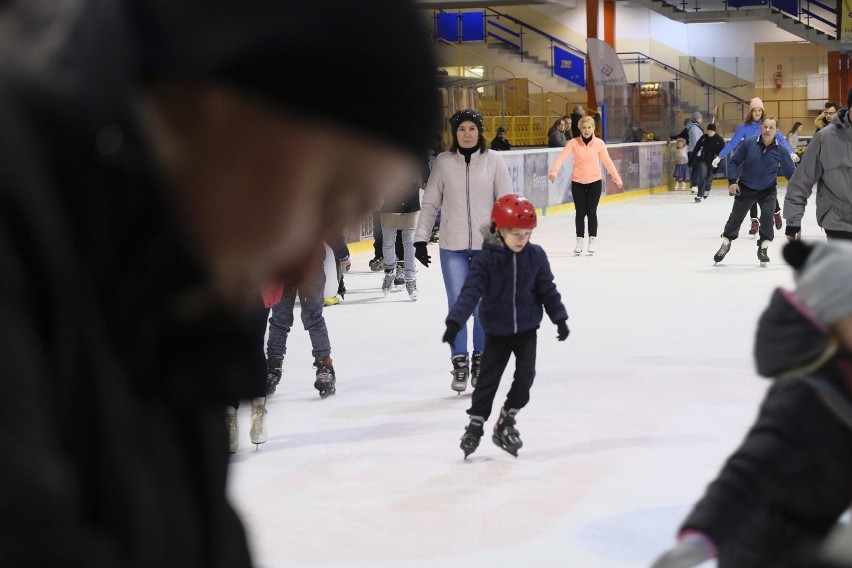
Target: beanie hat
{"type": "Point", "coordinates": [323, 59]}
{"type": "Point", "coordinates": [696, 116]}
{"type": "Point", "coordinates": [755, 103]}
{"type": "Point", "coordinates": [500, 130]}
{"type": "Point", "coordinates": [463, 115]}
{"type": "Point", "coordinates": [824, 279]}
{"type": "Point", "coordinates": [711, 126]}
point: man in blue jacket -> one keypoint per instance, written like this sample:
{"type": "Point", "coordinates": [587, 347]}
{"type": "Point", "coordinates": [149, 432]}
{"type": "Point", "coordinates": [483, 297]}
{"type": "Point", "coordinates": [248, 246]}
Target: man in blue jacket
{"type": "Point", "coordinates": [752, 177]}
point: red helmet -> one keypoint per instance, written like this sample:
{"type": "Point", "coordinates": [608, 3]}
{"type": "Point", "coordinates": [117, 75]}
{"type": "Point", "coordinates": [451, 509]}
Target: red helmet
{"type": "Point", "coordinates": [513, 211]}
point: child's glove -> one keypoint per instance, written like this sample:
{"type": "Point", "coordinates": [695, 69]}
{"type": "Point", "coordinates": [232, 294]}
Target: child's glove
{"type": "Point", "coordinates": [562, 330]}
{"type": "Point", "coordinates": [716, 161]}
{"type": "Point", "coordinates": [795, 157]}
{"type": "Point", "coordinates": [450, 334]}
{"type": "Point", "coordinates": [691, 550]}
{"type": "Point", "coordinates": [421, 254]}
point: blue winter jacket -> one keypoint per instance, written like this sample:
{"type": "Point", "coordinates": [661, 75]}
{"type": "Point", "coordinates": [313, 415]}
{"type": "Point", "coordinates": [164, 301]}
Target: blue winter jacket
{"type": "Point", "coordinates": [757, 166]}
{"type": "Point", "coordinates": [513, 288]}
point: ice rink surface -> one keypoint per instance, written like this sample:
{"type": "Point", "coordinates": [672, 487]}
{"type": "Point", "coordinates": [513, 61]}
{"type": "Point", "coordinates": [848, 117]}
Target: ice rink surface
{"type": "Point", "coordinates": [629, 419]}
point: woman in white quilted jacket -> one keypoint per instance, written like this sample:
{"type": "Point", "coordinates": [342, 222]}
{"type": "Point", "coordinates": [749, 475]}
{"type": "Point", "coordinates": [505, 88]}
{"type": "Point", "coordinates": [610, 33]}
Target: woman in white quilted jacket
{"type": "Point", "coordinates": [464, 184]}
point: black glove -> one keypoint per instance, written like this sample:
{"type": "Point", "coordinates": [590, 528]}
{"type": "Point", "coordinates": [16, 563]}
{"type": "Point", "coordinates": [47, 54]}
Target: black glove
{"type": "Point", "coordinates": [421, 254]}
{"type": "Point", "coordinates": [562, 330]}
{"type": "Point", "coordinates": [450, 334]}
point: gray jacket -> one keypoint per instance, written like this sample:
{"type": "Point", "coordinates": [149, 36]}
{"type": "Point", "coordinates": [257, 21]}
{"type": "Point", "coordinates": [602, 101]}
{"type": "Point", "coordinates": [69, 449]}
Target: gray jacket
{"type": "Point", "coordinates": [695, 133]}
{"type": "Point", "coordinates": [464, 195]}
{"type": "Point", "coordinates": [828, 163]}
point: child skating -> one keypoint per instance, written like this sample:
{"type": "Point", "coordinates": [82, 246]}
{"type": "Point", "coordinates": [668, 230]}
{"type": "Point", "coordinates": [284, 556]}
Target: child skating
{"type": "Point", "coordinates": [510, 281]}
{"type": "Point", "coordinates": [681, 171]}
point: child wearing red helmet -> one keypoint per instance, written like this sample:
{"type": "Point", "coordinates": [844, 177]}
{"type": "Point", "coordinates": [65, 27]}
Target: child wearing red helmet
{"type": "Point", "coordinates": [512, 283]}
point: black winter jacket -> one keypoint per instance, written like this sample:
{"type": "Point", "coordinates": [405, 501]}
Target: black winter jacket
{"type": "Point", "coordinates": [117, 360]}
{"type": "Point", "coordinates": [513, 288]}
{"type": "Point", "coordinates": [783, 490]}
{"type": "Point", "coordinates": [708, 147]}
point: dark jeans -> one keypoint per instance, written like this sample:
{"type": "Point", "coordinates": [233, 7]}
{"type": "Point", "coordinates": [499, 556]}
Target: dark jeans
{"type": "Point", "coordinates": [495, 357]}
{"type": "Point", "coordinates": [702, 177]}
{"type": "Point", "coordinates": [742, 203]}
{"type": "Point", "coordinates": [586, 199]}
{"type": "Point", "coordinates": [281, 318]}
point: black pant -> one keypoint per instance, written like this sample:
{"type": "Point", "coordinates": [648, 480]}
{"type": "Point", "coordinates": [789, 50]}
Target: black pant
{"type": "Point", "coordinates": [842, 235]}
{"type": "Point", "coordinates": [586, 199]}
{"type": "Point", "coordinates": [753, 210]}
{"type": "Point", "coordinates": [495, 357]}
{"type": "Point", "coordinates": [742, 203]}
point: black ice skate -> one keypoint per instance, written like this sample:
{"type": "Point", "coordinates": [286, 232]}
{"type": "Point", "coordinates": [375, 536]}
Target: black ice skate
{"type": "Point", "coordinates": [326, 379]}
{"type": "Point", "coordinates": [723, 250]}
{"type": "Point", "coordinates": [399, 279]}
{"type": "Point", "coordinates": [377, 264]}
{"type": "Point", "coordinates": [763, 253]}
{"type": "Point", "coordinates": [436, 234]}
{"type": "Point", "coordinates": [460, 373]}
{"type": "Point", "coordinates": [472, 434]}
{"type": "Point", "coordinates": [505, 434]}
{"type": "Point", "coordinates": [273, 374]}
{"type": "Point", "coordinates": [475, 368]}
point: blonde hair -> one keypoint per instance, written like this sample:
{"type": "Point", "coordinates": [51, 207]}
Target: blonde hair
{"type": "Point", "coordinates": [585, 120]}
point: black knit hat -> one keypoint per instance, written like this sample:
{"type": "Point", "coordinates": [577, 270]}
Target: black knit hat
{"type": "Point", "coordinates": [335, 60]}
{"type": "Point", "coordinates": [463, 115]}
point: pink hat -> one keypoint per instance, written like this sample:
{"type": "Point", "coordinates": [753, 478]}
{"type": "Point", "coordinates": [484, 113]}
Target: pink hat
{"type": "Point", "coordinates": [755, 103]}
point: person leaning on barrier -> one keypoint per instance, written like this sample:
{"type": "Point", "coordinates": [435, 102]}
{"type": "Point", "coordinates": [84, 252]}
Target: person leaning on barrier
{"type": "Point", "coordinates": [144, 204]}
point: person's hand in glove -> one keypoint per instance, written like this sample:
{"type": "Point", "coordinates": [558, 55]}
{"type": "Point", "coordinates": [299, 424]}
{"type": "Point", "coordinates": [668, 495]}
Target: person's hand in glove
{"type": "Point", "coordinates": [421, 254]}
{"type": "Point", "coordinates": [562, 330]}
{"type": "Point", "coordinates": [450, 334]}
{"type": "Point", "coordinates": [691, 550]}
{"type": "Point", "coordinates": [715, 162]}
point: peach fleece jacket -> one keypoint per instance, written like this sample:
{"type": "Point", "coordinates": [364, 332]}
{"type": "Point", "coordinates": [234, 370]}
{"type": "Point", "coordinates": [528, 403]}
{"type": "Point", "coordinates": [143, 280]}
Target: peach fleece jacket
{"type": "Point", "coordinates": [587, 159]}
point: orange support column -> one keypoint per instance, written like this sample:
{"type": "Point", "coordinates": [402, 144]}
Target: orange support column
{"type": "Point", "coordinates": [609, 22]}
{"type": "Point", "coordinates": [591, 32]}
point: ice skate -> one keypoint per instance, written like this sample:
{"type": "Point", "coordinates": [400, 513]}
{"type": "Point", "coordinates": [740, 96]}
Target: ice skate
{"type": "Point", "coordinates": [694, 190]}
{"type": "Point", "coordinates": [232, 427]}
{"type": "Point", "coordinates": [273, 374]}
{"type": "Point", "coordinates": [377, 264]}
{"type": "Point", "coordinates": [475, 368]}
{"type": "Point", "coordinates": [399, 278]}
{"type": "Point", "coordinates": [411, 288]}
{"type": "Point", "coordinates": [436, 234]}
{"type": "Point", "coordinates": [591, 248]}
{"type": "Point", "coordinates": [472, 434]}
{"type": "Point", "coordinates": [258, 433]}
{"type": "Point", "coordinates": [698, 199]}
{"type": "Point", "coordinates": [755, 227]}
{"type": "Point", "coordinates": [578, 248]}
{"type": "Point", "coordinates": [723, 250]}
{"type": "Point", "coordinates": [387, 283]}
{"type": "Point", "coordinates": [332, 301]}
{"type": "Point", "coordinates": [763, 253]}
{"type": "Point", "coordinates": [326, 379]}
{"type": "Point", "coordinates": [460, 373]}
{"type": "Point", "coordinates": [506, 436]}
{"type": "Point", "coordinates": [779, 222]}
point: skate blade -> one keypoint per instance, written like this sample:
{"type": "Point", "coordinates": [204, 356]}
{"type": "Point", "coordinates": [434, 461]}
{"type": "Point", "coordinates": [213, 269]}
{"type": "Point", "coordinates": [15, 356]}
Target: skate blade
{"type": "Point", "coordinates": [504, 448]}
{"type": "Point", "coordinates": [590, 254]}
{"type": "Point", "coordinates": [763, 264]}
{"type": "Point", "coordinates": [328, 393]}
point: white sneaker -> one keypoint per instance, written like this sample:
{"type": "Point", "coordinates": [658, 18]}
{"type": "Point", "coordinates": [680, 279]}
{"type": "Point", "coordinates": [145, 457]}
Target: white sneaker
{"type": "Point", "coordinates": [233, 429]}
{"type": "Point", "coordinates": [258, 432]}
{"type": "Point", "coordinates": [591, 247]}
{"type": "Point", "coordinates": [578, 248]}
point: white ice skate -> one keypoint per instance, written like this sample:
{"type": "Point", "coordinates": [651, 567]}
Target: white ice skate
{"type": "Point", "coordinates": [591, 248]}
{"type": "Point", "coordinates": [258, 432]}
{"type": "Point", "coordinates": [578, 248]}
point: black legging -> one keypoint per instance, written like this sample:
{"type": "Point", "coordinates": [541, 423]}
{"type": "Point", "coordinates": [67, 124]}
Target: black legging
{"type": "Point", "coordinates": [586, 199]}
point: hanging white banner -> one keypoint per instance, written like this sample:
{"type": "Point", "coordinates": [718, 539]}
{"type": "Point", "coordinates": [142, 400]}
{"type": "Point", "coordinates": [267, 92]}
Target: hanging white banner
{"type": "Point", "coordinates": [606, 67]}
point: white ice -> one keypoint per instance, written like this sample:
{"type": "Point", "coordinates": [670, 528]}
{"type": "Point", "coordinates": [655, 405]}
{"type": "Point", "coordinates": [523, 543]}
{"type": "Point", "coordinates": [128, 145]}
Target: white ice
{"type": "Point", "coordinates": [628, 421]}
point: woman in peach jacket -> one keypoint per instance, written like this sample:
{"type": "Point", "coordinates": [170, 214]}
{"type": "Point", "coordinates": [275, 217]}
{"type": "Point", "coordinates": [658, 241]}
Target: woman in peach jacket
{"type": "Point", "coordinates": [586, 180]}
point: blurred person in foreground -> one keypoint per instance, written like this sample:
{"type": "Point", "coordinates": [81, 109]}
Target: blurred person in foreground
{"type": "Point", "coordinates": [157, 169]}
{"type": "Point", "coordinates": [787, 485]}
